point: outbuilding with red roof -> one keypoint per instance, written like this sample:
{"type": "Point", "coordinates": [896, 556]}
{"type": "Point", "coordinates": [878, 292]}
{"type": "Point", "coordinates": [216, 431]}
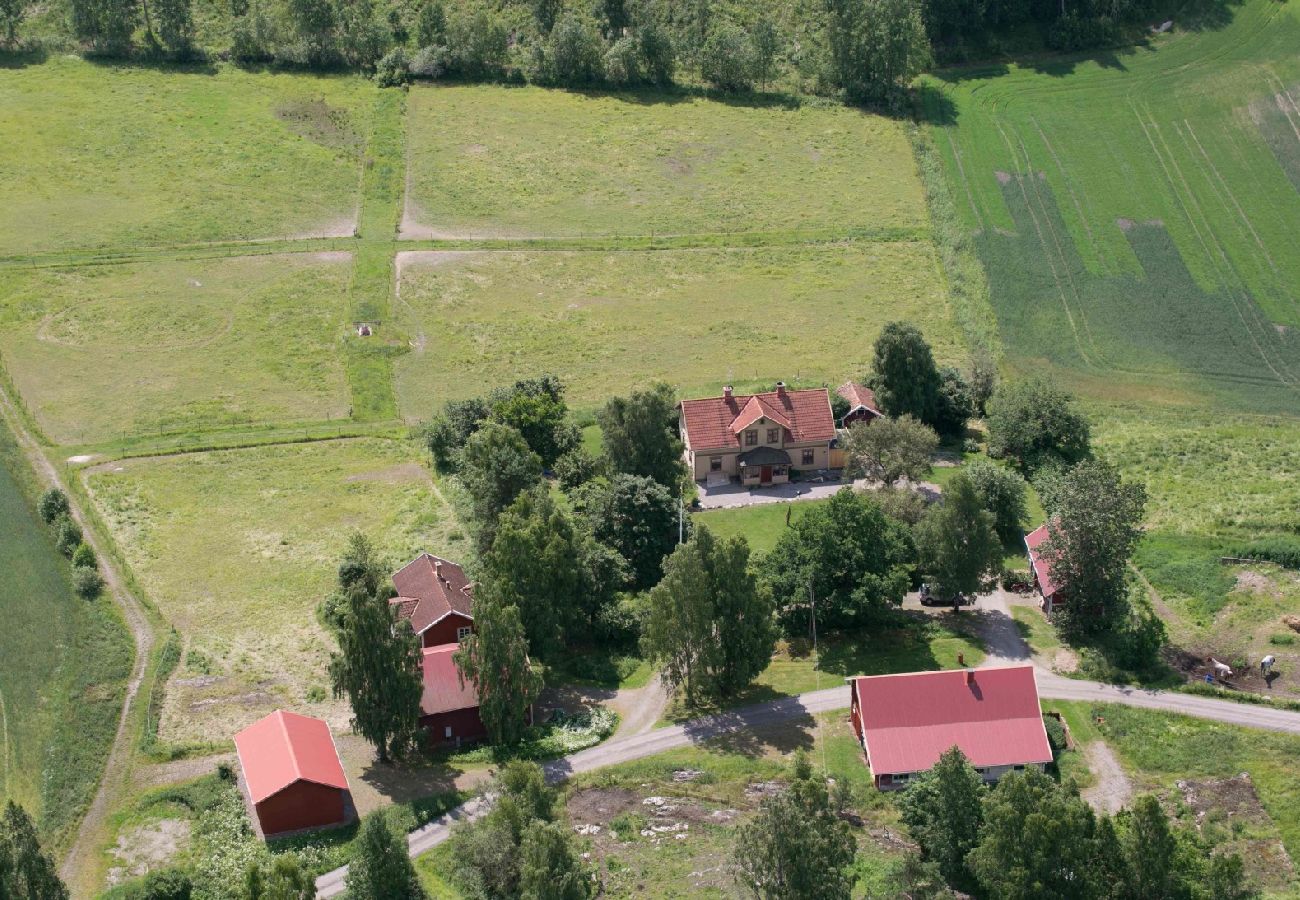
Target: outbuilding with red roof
{"type": "Point", "coordinates": [292, 774]}
{"type": "Point", "coordinates": [906, 722]}
{"type": "Point", "coordinates": [757, 438]}
{"type": "Point", "coordinates": [1042, 568]}
{"type": "Point", "coordinates": [862, 403]}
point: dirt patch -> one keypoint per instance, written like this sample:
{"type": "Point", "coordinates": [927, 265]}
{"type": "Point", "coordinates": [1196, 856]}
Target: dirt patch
{"type": "Point", "coordinates": [1112, 789]}
{"type": "Point", "coordinates": [332, 255]}
{"type": "Point", "coordinates": [81, 458]}
{"type": "Point", "coordinates": [320, 123]}
{"type": "Point", "coordinates": [398, 474]}
{"type": "Point", "coordinates": [1125, 224]}
{"type": "Point", "coordinates": [1002, 177]}
{"type": "Point", "coordinates": [1230, 811]}
{"type": "Point", "coordinates": [476, 149]}
{"type": "Point", "coordinates": [1256, 583]}
{"type": "Point", "coordinates": [148, 847]}
{"type": "Point", "coordinates": [597, 806]}
{"type": "Point", "coordinates": [1065, 661]}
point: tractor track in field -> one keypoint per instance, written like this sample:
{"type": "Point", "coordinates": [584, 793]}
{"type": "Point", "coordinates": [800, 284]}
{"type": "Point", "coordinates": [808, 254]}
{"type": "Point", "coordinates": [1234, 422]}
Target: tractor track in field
{"type": "Point", "coordinates": [113, 779]}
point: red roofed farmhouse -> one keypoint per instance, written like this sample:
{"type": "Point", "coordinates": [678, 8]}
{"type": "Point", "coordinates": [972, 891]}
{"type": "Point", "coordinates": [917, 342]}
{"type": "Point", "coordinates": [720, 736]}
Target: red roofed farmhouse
{"type": "Point", "coordinates": [862, 403]}
{"type": "Point", "coordinates": [1042, 569]}
{"type": "Point", "coordinates": [292, 771]}
{"type": "Point", "coordinates": [906, 722]}
{"type": "Point", "coordinates": [436, 598]}
{"type": "Point", "coordinates": [758, 438]}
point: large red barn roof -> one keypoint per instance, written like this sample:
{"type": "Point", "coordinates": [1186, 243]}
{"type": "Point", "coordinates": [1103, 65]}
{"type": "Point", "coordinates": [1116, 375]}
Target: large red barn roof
{"type": "Point", "coordinates": [715, 423]}
{"type": "Point", "coordinates": [1042, 567]}
{"type": "Point", "coordinates": [909, 721]}
{"type": "Point", "coordinates": [284, 748]}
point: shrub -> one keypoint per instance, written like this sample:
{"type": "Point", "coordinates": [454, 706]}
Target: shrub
{"type": "Point", "coordinates": [573, 52]}
{"type": "Point", "coordinates": [394, 69]}
{"type": "Point", "coordinates": [67, 534]}
{"type": "Point", "coordinates": [1284, 551]}
{"type": "Point", "coordinates": [87, 583]}
{"type": "Point", "coordinates": [1281, 639]}
{"type": "Point", "coordinates": [1015, 579]}
{"type": "Point", "coordinates": [623, 63]}
{"type": "Point", "coordinates": [53, 505]}
{"type": "Point", "coordinates": [431, 63]}
{"type": "Point", "coordinates": [166, 884]}
{"type": "Point", "coordinates": [727, 60]}
{"type": "Point", "coordinates": [658, 55]}
{"type": "Point", "coordinates": [84, 557]}
{"type": "Point", "coordinates": [1055, 735]}
{"type": "Point", "coordinates": [576, 467]}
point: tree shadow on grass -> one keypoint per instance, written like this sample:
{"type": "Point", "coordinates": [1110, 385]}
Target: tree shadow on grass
{"type": "Point", "coordinates": [165, 66]}
{"type": "Point", "coordinates": [782, 725]}
{"type": "Point", "coordinates": [22, 58]}
{"type": "Point", "coordinates": [413, 782]}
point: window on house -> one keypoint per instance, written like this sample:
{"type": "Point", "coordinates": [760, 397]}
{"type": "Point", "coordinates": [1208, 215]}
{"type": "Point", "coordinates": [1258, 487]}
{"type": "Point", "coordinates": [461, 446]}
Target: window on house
{"type": "Point", "coordinates": [979, 770]}
{"type": "Point", "coordinates": [773, 435]}
{"type": "Point", "coordinates": [446, 732]}
{"type": "Point", "coordinates": [751, 437]}
{"type": "Point", "coordinates": [808, 457]}
{"type": "Point", "coordinates": [778, 471]}
{"type": "Point", "coordinates": [463, 632]}
{"type": "Point", "coordinates": [715, 463]}
{"type": "Point", "coordinates": [1019, 768]}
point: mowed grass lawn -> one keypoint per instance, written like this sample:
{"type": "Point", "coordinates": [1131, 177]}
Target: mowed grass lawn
{"type": "Point", "coordinates": [506, 161]}
{"type": "Point", "coordinates": [64, 662]}
{"type": "Point", "coordinates": [99, 352]}
{"type": "Point", "coordinates": [99, 155]}
{"type": "Point", "coordinates": [607, 323]}
{"type": "Point", "coordinates": [238, 547]}
{"type": "Point", "coordinates": [1136, 212]}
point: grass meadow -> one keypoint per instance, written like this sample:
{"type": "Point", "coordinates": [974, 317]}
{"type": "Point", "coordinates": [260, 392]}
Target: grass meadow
{"type": "Point", "coordinates": [1136, 210]}
{"type": "Point", "coordinates": [102, 352]}
{"type": "Point", "coordinates": [64, 662]}
{"type": "Point", "coordinates": [610, 322]}
{"type": "Point", "coordinates": [491, 161]}
{"type": "Point", "coordinates": [238, 547]}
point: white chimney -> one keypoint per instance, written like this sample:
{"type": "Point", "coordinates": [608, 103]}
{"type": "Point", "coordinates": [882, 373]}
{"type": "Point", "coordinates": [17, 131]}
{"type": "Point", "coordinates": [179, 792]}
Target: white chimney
{"type": "Point", "coordinates": [726, 392]}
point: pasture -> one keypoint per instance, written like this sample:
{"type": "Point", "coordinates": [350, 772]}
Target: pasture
{"type": "Point", "coordinates": [64, 662]}
{"type": "Point", "coordinates": [100, 352]}
{"type": "Point", "coordinates": [237, 548]}
{"type": "Point", "coordinates": [490, 161]}
{"type": "Point", "coordinates": [97, 155]}
{"type": "Point", "coordinates": [610, 322]}
{"type": "Point", "coordinates": [1136, 211]}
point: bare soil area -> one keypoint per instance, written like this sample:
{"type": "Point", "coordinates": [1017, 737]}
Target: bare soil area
{"type": "Point", "coordinates": [1231, 807]}
{"type": "Point", "coordinates": [1112, 789]}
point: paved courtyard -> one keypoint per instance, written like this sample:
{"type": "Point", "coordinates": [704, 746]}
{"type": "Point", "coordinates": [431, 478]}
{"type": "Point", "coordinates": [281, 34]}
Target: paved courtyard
{"type": "Point", "coordinates": [734, 494]}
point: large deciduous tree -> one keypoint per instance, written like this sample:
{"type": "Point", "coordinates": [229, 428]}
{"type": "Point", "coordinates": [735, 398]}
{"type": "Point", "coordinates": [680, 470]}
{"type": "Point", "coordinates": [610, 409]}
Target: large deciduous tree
{"type": "Point", "coordinates": [106, 25]}
{"type": "Point", "coordinates": [855, 559]}
{"type": "Point", "coordinates": [889, 450]}
{"type": "Point", "coordinates": [1034, 421]}
{"type": "Point", "coordinates": [549, 865]}
{"type": "Point", "coordinates": [535, 408]}
{"type": "Point", "coordinates": [381, 867]}
{"type": "Point", "coordinates": [903, 373]}
{"type": "Point", "coordinates": [876, 46]}
{"type": "Point", "coordinates": [1002, 491]}
{"type": "Point", "coordinates": [956, 543]}
{"type": "Point", "coordinates": [495, 465]}
{"type": "Point", "coordinates": [495, 658]}
{"type": "Point", "coordinates": [637, 517]}
{"type": "Point", "coordinates": [640, 435]}
{"type": "Point", "coordinates": [26, 870]}
{"type": "Point", "coordinates": [377, 667]}
{"type": "Point", "coordinates": [943, 810]}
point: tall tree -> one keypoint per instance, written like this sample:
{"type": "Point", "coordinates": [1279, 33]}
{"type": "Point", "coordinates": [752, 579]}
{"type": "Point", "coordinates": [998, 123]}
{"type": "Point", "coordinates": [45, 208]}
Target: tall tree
{"type": "Point", "coordinates": [381, 867]}
{"type": "Point", "coordinates": [549, 867]}
{"type": "Point", "coordinates": [877, 46]}
{"type": "Point", "coordinates": [495, 658]}
{"type": "Point", "coordinates": [11, 16]}
{"type": "Point", "coordinates": [954, 404]}
{"type": "Point", "coordinates": [1035, 421]}
{"type": "Point", "coordinates": [889, 450]}
{"type": "Point", "coordinates": [535, 407]}
{"type": "Point", "coordinates": [495, 465]}
{"type": "Point", "coordinates": [767, 44]}
{"type": "Point", "coordinates": [312, 24]}
{"type": "Point", "coordinates": [106, 25]}
{"type": "Point", "coordinates": [855, 560]}
{"type": "Point", "coordinates": [175, 26]}
{"type": "Point", "coordinates": [637, 517]}
{"type": "Point", "coordinates": [377, 668]}
{"type": "Point", "coordinates": [797, 847]}
{"type": "Point", "coordinates": [904, 375]}
{"type": "Point", "coordinates": [709, 622]}
{"type": "Point", "coordinates": [956, 543]}
{"type": "Point", "coordinates": [727, 58]}
{"type": "Point", "coordinates": [431, 31]}
{"type": "Point", "coordinates": [1002, 491]}
{"type": "Point", "coordinates": [640, 435]}
{"type": "Point", "coordinates": [486, 854]}
{"type": "Point", "coordinates": [26, 870]}
{"type": "Point", "coordinates": [943, 810]}
{"type": "Point", "coordinates": [1096, 526]}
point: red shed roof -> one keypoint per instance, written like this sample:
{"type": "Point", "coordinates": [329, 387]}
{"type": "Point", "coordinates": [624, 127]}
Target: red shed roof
{"type": "Point", "coordinates": [715, 423]}
{"type": "Point", "coordinates": [443, 691]}
{"type": "Point", "coordinates": [285, 748]}
{"type": "Point", "coordinates": [859, 397]}
{"type": "Point", "coordinates": [429, 589]}
{"type": "Point", "coordinates": [908, 721]}
{"type": "Point", "coordinates": [1042, 567]}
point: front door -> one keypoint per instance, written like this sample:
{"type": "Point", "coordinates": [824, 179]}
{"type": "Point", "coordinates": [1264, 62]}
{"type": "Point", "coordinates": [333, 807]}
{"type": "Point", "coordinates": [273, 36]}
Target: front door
{"type": "Point", "coordinates": [765, 477]}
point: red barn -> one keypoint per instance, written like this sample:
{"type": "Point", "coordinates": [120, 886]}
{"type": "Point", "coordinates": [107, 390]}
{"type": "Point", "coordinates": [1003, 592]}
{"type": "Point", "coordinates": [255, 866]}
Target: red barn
{"type": "Point", "coordinates": [862, 403]}
{"type": "Point", "coordinates": [1047, 588]}
{"type": "Point", "coordinates": [436, 598]}
{"type": "Point", "coordinates": [906, 722]}
{"type": "Point", "coordinates": [449, 709]}
{"type": "Point", "coordinates": [292, 771]}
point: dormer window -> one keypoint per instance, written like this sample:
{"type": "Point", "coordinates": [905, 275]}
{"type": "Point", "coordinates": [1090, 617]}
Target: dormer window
{"type": "Point", "coordinates": [773, 435]}
{"type": "Point", "coordinates": [751, 437]}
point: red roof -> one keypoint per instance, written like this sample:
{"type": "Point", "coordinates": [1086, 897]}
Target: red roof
{"type": "Point", "coordinates": [908, 721]}
{"type": "Point", "coordinates": [715, 423]}
{"type": "Point", "coordinates": [285, 748]}
{"type": "Point", "coordinates": [859, 397]}
{"type": "Point", "coordinates": [429, 589]}
{"type": "Point", "coordinates": [1042, 568]}
{"type": "Point", "coordinates": [442, 688]}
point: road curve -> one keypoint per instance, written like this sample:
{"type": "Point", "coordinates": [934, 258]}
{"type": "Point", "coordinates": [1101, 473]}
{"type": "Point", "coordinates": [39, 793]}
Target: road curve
{"type": "Point", "coordinates": [805, 706]}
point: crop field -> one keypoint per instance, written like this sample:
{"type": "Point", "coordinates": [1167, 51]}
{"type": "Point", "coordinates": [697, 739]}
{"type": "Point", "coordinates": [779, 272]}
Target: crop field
{"type": "Point", "coordinates": [97, 155]}
{"type": "Point", "coordinates": [238, 547]}
{"type": "Point", "coordinates": [1136, 212]}
{"type": "Point", "coordinates": [99, 352]}
{"type": "Point", "coordinates": [502, 161]}
{"type": "Point", "coordinates": [611, 322]}
{"type": "Point", "coordinates": [63, 666]}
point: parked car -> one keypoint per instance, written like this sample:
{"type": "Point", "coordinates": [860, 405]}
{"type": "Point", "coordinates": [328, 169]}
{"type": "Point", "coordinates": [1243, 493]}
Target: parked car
{"type": "Point", "coordinates": [930, 598]}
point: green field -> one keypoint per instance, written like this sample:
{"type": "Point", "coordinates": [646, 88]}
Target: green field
{"type": "Point", "coordinates": [237, 547]}
{"type": "Point", "coordinates": [64, 663]}
{"type": "Point", "coordinates": [608, 323]}
{"type": "Point", "coordinates": [1136, 212]}
{"type": "Point", "coordinates": [490, 161]}
{"type": "Point", "coordinates": [106, 351]}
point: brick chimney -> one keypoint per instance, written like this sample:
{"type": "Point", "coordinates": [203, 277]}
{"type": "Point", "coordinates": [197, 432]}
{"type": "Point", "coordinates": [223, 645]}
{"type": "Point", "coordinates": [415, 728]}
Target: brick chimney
{"type": "Point", "coordinates": [437, 569]}
{"type": "Point", "coordinates": [970, 676]}
{"type": "Point", "coordinates": [780, 388]}
{"type": "Point", "coordinates": [726, 392]}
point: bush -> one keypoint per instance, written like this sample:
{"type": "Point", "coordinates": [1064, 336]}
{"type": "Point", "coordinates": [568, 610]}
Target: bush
{"type": "Point", "coordinates": [67, 534]}
{"type": "Point", "coordinates": [166, 884]}
{"type": "Point", "coordinates": [576, 467]}
{"type": "Point", "coordinates": [1281, 639]}
{"type": "Point", "coordinates": [394, 69]}
{"type": "Point", "coordinates": [1001, 491]}
{"type": "Point", "coordinates": [727, 60]}
{"type": "Point", "coordinates": [87, 583]}
{"type": "Point", "coordinates": [1284, 551]}
{"type": "Point", "coordinates": [431, 63]}
{"type": "Point", "coordinates": [1055, 735]}
{"type": "Point", "coordinates": [623, 63]}
{"type": "Point", "coordinates": [84, 557]}
{"type": "Point", "coordinates": [658, 55]}
{"type": "Point", "coordinates": [1015, 579]}
{"type": "Point", "coordinates": [573, 52]}
{"type": "Point", "coordinates": [52, 506]}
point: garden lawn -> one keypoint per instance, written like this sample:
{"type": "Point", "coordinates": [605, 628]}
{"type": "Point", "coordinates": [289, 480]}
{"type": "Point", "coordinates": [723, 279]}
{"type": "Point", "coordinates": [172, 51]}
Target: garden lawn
{"type": "Point", "coordinates": [64, 662]}
{"type": "Point", "coordinates": [237, 548]}
{"type": "Point", "coordinates": [99, 155]}
{"type": "Point", "coordinates": [1136, 212]}
{"type": "Point", "coordinates": [490, 161]}
{"type": "Point", "coordinates": [102, 352]}
{"type": "Point", "coordinates": [761, 524]}
{"type": "Point", "coordinates": [609, 323]}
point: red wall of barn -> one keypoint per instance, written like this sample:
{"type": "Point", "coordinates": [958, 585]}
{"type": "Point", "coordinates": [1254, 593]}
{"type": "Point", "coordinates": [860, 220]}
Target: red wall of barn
{"type": "Point", "coordinates": [466, 724]}
{"type": "Point", "coordinates": [302, 804]}
{"type": "Point", "coordinates": [445, 631]}
{"type": "Point", "coordinates": [860, 415]}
